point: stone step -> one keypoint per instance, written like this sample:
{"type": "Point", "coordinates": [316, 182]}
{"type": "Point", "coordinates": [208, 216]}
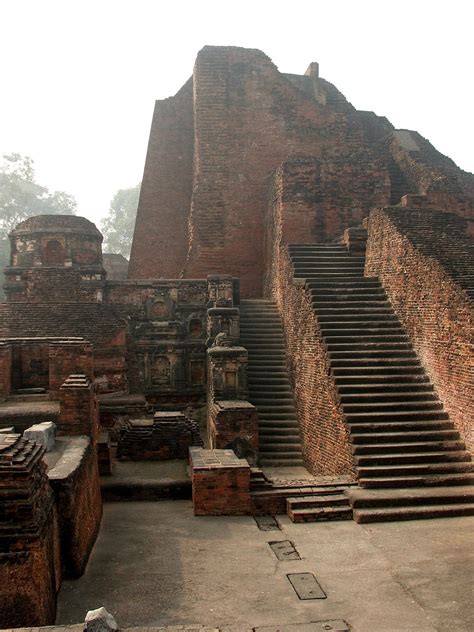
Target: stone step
{"type": "Point", "coordinates": [367, 499]}
{"type": "Point", "coordinates": [398, 426]}
{"type": "Point", "coordinates": [419, 480]}
{"type": "Point", "coordinates": [373, 371]}
{"type": "Point", "coordinates": [273, 459]}
{"type": "Point", "coordinates": [375, 362]}
{"type": "Point", "coordinates": [407, 447]}
{"type": "Point", "coordinates": [269, 409]}
{"type": "Point", "coordinates": [289, 447]}
{"type": "Point", "coordinates": [372, 354]}
{"type": "Point", "coordinates": [400, 458]}
{"type": "Point", "coordinates": [386, 397]}
{"type": "Point", "coordinates": [348, 308]}
{"type": "Point", "coordinates": [318, 500]}
{"type": "Point", "coordinates": [319, 514]}
{"type": "Point", "coordinates": [390, 514]}
{"type": "Point", "coordinates": [272, 424]}
{"type": "Point", "coordinates": [269, 441]}
{"type": "Point", "coordinates": [357, 334]}
{"type": "Point", "coordinates": [386, 407]}
{"type": "Point", "coordinates": [389, 471]}
{"type": "Point", "coordinates": [385, 389]}
{"type": "Point", "coordinates": [374, 379]}
{"type": "Point", "coordinates": [275, 416]}
{"type": "Point", "coordinates": [380, 416]}
{"type": "Point", "coordinates": [408, 436]}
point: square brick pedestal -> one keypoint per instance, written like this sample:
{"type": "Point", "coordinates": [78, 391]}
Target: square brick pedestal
{"type": "Point", "coordinates": [221, 483]}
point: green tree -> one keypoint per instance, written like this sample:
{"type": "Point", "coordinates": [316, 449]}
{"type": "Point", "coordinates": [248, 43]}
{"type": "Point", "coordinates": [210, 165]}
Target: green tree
{"type": "Point", "coordinates": [21, 196]}
{"type": "Point", "coordinates": [117, 227]}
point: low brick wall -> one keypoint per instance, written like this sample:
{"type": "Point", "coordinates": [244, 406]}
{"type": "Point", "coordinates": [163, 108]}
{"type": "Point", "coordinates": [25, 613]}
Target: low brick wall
{"type": "Point", "coordinates": [324, 435]}
{"type": "Point", "coordinates": [425, 262]}
{"type": "Point", "coordinates": [75, 481]}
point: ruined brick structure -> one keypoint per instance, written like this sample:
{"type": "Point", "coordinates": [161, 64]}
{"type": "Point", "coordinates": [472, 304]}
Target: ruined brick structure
{"type": "Point", "coordinates": [214, 149]}
{"type": "Point", "coordinates": [351, 243]}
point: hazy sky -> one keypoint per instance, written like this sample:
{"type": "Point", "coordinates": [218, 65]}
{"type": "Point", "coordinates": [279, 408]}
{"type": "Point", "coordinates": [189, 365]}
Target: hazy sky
{"type": "Point", "coordinates": [80, 78]}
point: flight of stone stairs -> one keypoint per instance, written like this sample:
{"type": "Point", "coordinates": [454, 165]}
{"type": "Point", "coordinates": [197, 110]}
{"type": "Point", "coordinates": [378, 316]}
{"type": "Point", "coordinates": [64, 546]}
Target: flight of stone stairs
{"type": "Point", "coordinates": [261, 334]}
{"type": "Point", "coordinates": [401, 436]}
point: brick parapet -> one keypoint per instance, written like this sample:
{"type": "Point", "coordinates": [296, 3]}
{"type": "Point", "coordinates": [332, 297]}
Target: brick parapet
{"type": "Point", "coordinates": [324, 434]}
{"type": "Point", "coordinates": [425, 261]}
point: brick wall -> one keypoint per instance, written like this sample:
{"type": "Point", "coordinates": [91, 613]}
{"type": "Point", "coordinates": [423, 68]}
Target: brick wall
{"type": "Point", "coordinates": [66, 358]}
{"type": "Point", "coordinates": [5, 369]}
{"type": "Point", "coordinates": [248, 118]}
{"type": "Point", "coordinates": [426, 262]}
{"type": "Point", "coordinates": [75, 481]}
{"type": "Point", "coordinates": [324, 436]}
{"type": "Point", "coordinates": [165, 195]}
{"type": "Point", "coordinates": [315, 200]}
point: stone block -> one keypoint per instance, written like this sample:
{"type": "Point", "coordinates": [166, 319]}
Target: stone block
{"type": "Point", "coordinates": [100, 620]}
{"type": "Point", "coordinates": [42, 434]}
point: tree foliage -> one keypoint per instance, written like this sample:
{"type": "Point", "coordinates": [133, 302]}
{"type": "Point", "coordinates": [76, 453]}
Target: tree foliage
{"type": "Point", "coordinates": [21, 196]}
{"type": "Point", "coordinates": [118, 225]}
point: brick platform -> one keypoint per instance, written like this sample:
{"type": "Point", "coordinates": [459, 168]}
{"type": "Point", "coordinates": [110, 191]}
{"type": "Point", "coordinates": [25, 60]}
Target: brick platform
{"type": "Point", "coordinates": [221, 483]}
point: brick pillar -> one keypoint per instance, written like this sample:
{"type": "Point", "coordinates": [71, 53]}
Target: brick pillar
{"type": "Point", "coordinates": [221, 483]}
{"type": "Point", "coordinates": [227, 373]}
{"type": "Point", "coordinates": [79, 408]}
{"type": "Point", "coordinates": [223, 320]}
{"type": "Point", "coordinates": [68, 357]}
{"type": "Point", "coordinates": [5, 370]}
{"type": "Point", "coordinates": [220, 290]}
{"type": "Point", "coordinates": [30, 569]}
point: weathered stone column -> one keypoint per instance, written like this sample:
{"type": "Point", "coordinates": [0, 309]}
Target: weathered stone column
{"type": "Point", "coordinates": [227, 367]}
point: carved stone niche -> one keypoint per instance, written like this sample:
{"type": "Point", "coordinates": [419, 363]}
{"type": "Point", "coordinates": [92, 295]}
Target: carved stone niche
{"type": "Point", "coordinates": [195, 327]}
{"type": "Point", "coordinates": [53, 251]}
{"type": "Point", "coordinates": [160, 371]}
{"type": "Point", "coordinates": [223, 320]}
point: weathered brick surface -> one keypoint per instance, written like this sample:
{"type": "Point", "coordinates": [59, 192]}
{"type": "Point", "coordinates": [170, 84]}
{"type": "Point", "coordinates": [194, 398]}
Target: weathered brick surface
{"type": "Point", "coordinates": [165, 191]}
{"type": "Point", "coordinates": [79, 408]}
{"type": "Point", "coordinates": [169, 435]}
{"type": "Point", "coordinates": [29, 545]}
{"type": "Point", "coordinates": [426, 262]}
{"type": "Point", "coordinates": [5, 369]}
{"type": "Point", "coordinates": [75, 481]}
{"type": "Point", "coordinates": [67, 358]}
{"type": "Point", "coordinates": [310, 201]}
{"type": "Point", "coordinates": [324, 435]}
{"type": "Point", "coordinates": [221, 483]}
{"type": "Point", "coordinates": [233, 424]}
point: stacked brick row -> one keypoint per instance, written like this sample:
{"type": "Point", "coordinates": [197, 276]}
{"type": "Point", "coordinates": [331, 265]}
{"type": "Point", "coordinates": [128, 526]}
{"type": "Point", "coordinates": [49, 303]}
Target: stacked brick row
{"type": "Point", "coordinates": [169, 435]}
{"type": "Point", "coordinates": [29, 549]}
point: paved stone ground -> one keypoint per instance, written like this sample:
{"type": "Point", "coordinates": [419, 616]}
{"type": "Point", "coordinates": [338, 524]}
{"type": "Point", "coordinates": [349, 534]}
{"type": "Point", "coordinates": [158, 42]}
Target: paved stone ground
{"type": "Point", "coordinates": [155, 564]}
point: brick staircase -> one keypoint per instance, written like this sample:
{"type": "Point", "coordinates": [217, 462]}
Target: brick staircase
{"type": "Point", "coordinates": [400, 434]}
{"type": "Point", "coordinates": [269, 388]}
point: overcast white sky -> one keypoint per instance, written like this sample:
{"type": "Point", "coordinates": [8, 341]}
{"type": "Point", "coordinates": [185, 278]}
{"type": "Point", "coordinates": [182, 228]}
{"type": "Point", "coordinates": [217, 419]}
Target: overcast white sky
{"type": "Point", "coordinates": [80, 78]}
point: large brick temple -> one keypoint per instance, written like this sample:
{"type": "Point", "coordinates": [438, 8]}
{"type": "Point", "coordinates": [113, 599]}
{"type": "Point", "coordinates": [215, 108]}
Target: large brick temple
{"type": "Point", "coordinates": [299, 294]}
